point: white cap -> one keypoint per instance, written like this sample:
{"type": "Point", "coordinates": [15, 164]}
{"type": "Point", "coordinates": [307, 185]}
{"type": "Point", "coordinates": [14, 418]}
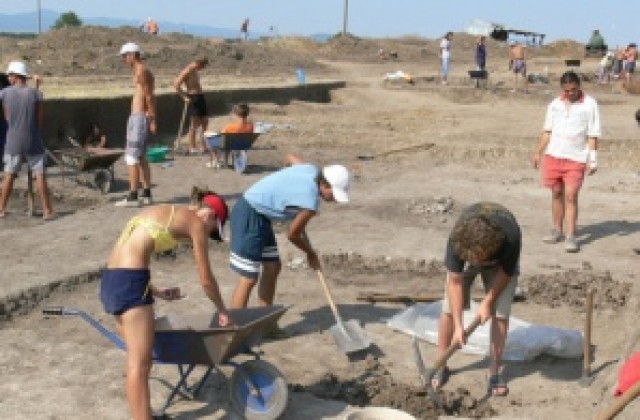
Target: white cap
{"type": "Point", "coordinates": [17, 67]}
{"type": "Point", "coordinates": [338, 177]}
{"type": "Point", "coordinates": [129, 47]}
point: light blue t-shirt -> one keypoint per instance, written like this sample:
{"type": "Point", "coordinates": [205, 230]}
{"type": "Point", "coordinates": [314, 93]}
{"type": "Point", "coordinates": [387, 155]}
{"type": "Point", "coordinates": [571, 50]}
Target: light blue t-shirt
{"type": "Point", "coordinates": [281, 195]}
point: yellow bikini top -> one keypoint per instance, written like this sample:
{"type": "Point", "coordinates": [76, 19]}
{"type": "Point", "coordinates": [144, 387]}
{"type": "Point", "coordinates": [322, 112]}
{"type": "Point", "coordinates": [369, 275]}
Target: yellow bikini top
{"type": "Point", "coordinates": [162, 238]}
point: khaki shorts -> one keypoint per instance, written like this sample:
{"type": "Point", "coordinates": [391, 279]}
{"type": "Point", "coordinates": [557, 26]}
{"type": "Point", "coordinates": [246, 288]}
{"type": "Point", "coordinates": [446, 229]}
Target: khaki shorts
{"type": "Point", "coordinates": [13, 163]}
{"type": "Point", "coordinates": [502, 308]}
{"type": "Point", "coordinates": [137, 136]}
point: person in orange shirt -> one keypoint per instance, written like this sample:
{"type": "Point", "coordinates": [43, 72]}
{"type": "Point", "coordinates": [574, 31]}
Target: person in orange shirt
{"type": "Point", "coordinates": [241, 124]}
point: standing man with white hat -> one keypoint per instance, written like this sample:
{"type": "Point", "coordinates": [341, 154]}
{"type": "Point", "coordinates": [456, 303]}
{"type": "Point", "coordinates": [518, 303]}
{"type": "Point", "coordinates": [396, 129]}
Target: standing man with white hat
{"type": "Point", "coordinates": [23, 111]}
{"type": "Point", "coordinates": [142, 121]}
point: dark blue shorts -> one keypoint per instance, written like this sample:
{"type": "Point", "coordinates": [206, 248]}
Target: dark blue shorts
{"type": "Point", "coordinates": [252, 240]}
{"type": "Point", "coordinates": [124, 288]}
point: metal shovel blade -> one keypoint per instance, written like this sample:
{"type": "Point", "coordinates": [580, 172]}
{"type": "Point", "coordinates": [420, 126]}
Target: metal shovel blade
{"type": "Point", "coordinates": [349, 336]}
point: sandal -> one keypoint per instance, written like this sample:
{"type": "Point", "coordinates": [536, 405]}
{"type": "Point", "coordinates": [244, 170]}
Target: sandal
{"type": "Point", "coordinates": [440, 378]}
{"type": "Point", "coordinates": [496, 383]}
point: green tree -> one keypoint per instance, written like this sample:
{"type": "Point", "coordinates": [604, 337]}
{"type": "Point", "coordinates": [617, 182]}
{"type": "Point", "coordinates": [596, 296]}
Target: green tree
{"type": "Point", "coordinates": [67, 19]}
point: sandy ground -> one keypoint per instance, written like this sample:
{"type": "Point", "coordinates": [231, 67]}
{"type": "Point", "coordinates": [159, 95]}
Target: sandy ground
{"type": "Point", "coordinates": [419, 143]}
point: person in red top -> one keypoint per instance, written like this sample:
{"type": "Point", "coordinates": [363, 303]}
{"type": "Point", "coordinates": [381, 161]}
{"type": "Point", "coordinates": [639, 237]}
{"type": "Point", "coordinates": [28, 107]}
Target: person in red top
{"type": "Point", "coordinates": [241, 124]}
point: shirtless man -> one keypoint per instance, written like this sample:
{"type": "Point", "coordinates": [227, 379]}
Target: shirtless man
{"type": "Point", "coordinates": [142, 121]}
{"type": "Point", "coordinates": [518, 65]}
{"type": "Point", "coordinates": [630, 57]}
{"type": "Point", "coordinates": [193, 96]}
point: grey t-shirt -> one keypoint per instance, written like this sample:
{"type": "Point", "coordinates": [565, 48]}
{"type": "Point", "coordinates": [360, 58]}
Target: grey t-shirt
{"type": "Point", "coordinates": [20, 105]}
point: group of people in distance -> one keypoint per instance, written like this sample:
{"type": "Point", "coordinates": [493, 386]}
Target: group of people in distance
{"type": "Point", "coordinates": [486, 239]}
{"type": "Point", "coordinates": [619, 64]}
{"type": "Point", "coordinates": [517, 60]}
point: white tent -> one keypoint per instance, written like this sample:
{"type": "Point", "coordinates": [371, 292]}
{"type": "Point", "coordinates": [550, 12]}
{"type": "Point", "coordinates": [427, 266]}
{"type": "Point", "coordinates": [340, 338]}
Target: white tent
{"type": "Point", "coordinates": [480, 27]}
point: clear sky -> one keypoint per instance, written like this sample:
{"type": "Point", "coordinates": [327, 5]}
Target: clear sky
{"type": "Point", "coordinates": [575, 19]}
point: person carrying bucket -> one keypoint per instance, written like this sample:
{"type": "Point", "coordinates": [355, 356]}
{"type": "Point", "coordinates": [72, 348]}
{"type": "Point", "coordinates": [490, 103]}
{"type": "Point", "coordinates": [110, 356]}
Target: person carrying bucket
{"type": "Point", "coordinates": [290, 194]}
{"type": "Point", "coordinates": [126, 290]}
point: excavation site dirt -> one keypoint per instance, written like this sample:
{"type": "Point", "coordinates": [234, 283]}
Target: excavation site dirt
{"type": "Point", "coordinates": [418, 153]}
{"type": "Point", "coordinates": [321, 380]}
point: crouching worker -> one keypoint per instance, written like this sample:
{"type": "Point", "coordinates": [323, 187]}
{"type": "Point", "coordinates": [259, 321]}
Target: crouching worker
{"type": "Point", "coordinates": [485, 240]}
{"type": "Point", "coordinates": [126, 290]}
{"type": "Point", "coordinates": [290, 194]}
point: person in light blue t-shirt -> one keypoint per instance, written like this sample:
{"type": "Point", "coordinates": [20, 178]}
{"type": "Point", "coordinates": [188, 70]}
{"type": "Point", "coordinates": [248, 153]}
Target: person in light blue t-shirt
{"type": "Point", "coordinates": [290, 194]}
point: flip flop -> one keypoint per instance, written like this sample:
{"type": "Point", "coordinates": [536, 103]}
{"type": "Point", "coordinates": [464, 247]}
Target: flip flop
{"type": "Point", "coordinates": [49, 217]}
{"type": "Point", "coordinates": [3, 214]}
{"type": "Point", "coordinates": [497, 382]}
{"type": "Point", "coordinates": [441, 377]}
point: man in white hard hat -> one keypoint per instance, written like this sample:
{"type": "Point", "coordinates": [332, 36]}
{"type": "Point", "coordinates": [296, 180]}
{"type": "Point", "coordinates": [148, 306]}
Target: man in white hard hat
{"type": "Point", "coordinates": [23, 111]}
{"type": "Point", "coordinates": [290, 194]}
{"type": "Point", "coordinates": [142, 121]}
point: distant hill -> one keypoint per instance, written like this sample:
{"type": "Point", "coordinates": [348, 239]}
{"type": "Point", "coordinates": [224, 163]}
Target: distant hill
{"type": "Point", "coordinates": [28, 23]}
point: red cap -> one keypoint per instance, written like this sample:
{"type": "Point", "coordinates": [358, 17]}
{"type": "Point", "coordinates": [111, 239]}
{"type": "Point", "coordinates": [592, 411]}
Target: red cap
{"type": "Point", "coordinates": [219, 207]}
{"type": "Point", "coordinates": [629, 374]}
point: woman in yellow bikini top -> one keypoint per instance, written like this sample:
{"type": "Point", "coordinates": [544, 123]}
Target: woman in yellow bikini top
{"type": "Point", "coordinates": [126, 290]}
{"type": "Point", "coordinates": [162, 237]}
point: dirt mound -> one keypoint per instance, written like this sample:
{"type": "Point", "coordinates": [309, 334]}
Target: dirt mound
{"type": "Point", "coordinates": [375, 386]}
{"type": "Point", "coordinates": [93, 50]}
{"type": "Point", "coordinates": [563, 48]}
{"type": "Point", "coordinates": [570, 288]}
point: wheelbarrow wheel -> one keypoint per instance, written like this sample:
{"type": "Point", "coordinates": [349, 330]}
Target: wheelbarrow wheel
{"type": "Point", "coordinates": [239, 160]}
{"type": "Point", "coordinates": [270, 384]}
{"type": "Point", "coordinates": [102, 180]}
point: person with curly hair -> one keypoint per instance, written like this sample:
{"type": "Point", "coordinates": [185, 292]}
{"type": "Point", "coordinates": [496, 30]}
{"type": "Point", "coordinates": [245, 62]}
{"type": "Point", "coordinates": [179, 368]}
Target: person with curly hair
{"type": "Point", "coordinates": [485, 240]}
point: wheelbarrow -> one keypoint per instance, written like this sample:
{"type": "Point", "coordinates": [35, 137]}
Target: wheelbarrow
{"type": "Point", "coordinates": [257, 389]}
{"type": "Point", "coordinates": [235, 144]}
{"type": "Point", "coordinates": [91, 166]}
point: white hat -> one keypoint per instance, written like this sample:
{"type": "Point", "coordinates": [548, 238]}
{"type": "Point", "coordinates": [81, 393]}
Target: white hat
{"type": "Point", "coordinates": [338, 177]}
{"type": "Point", "coordinates": [18, 67]}
{"type": "Point", "coordinates": [129, 47]}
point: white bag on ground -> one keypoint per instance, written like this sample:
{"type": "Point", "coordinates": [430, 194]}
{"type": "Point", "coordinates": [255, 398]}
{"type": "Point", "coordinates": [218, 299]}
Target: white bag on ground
{"type": "Point", "coordinates": [524, 341]}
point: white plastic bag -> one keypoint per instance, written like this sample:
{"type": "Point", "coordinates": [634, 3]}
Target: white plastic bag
{"type": "Point", "coordinates": [524, 341]}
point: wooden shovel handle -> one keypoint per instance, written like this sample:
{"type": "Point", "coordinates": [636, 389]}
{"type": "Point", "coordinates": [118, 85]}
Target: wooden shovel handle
{"type": "Point", "coordinates": [327, 293]}
{"type": "Point", "coordinates": [440, 361]}
{"type": "Point", "coordinates": [621, 402]}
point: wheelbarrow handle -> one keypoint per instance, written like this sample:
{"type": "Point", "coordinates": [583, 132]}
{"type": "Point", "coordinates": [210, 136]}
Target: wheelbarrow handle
{"type": "Point", "coordinates": [58, 311]}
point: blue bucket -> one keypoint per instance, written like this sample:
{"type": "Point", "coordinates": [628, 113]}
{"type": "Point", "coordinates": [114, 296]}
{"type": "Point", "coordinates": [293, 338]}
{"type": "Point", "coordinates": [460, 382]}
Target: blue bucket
{"type": "Point", "coordinates": [300, 76]}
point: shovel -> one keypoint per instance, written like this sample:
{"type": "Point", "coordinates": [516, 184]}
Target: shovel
{"type": "Point", "coordinates": [348, 336]}
{"type": "Point", "coordinates": [176, 144]}
{"type": "Point", "coordinates": [426, 375]}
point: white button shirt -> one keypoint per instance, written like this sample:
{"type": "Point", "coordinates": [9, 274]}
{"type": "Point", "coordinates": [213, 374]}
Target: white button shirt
{"type": "Point", "coordinates": [571, 125]}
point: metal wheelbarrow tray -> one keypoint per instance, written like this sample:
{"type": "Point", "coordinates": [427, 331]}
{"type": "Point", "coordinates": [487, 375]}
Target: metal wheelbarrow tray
{"type": "Point", "coordinates": [257, 389]}
{"type": "Point", "coordinates": [236, 144]}
{"type": "Point", "coordinates": [97, 163]}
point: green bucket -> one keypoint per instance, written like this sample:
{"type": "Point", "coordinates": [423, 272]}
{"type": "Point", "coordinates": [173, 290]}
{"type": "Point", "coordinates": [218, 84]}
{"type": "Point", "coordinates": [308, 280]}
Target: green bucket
{"type": "Point", "coordinates": [157, 154]}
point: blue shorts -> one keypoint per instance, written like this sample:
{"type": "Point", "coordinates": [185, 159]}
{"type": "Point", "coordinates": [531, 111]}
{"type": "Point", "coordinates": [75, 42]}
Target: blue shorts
{"type": "Point", "coordinates": [252, 240]}
{"type": "Point", "coordinates": [124, 288]}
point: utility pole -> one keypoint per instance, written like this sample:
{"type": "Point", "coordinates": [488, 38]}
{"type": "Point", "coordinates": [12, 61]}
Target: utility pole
{"type": "Point", "coordinates": [39, 17]}
{"type": "Point", "coordinates": [346, 17]}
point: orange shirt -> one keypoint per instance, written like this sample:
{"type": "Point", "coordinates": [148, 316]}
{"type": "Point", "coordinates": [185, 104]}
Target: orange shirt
{"type": "Point", "coordinates": [238, 127]}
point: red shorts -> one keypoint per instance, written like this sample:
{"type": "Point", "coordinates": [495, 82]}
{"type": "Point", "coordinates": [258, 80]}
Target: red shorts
{"type": "Point", "coordinates": [558, 172]}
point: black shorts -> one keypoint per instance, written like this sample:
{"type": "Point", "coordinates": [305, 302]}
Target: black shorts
{"type": "Point", "coordinates": [122, 289]}
{"type": "Point", "coordinates": [197, 105]}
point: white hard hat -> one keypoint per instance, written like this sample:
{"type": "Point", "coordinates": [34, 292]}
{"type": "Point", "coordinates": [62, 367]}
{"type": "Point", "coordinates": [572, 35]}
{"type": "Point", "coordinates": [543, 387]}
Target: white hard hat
{"type": "Point", "coordinates": [338, 177]}
{"type": "Point", "coordinates": [129, 47]}
{"type": "Point", "coordinates": [17, 67]}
